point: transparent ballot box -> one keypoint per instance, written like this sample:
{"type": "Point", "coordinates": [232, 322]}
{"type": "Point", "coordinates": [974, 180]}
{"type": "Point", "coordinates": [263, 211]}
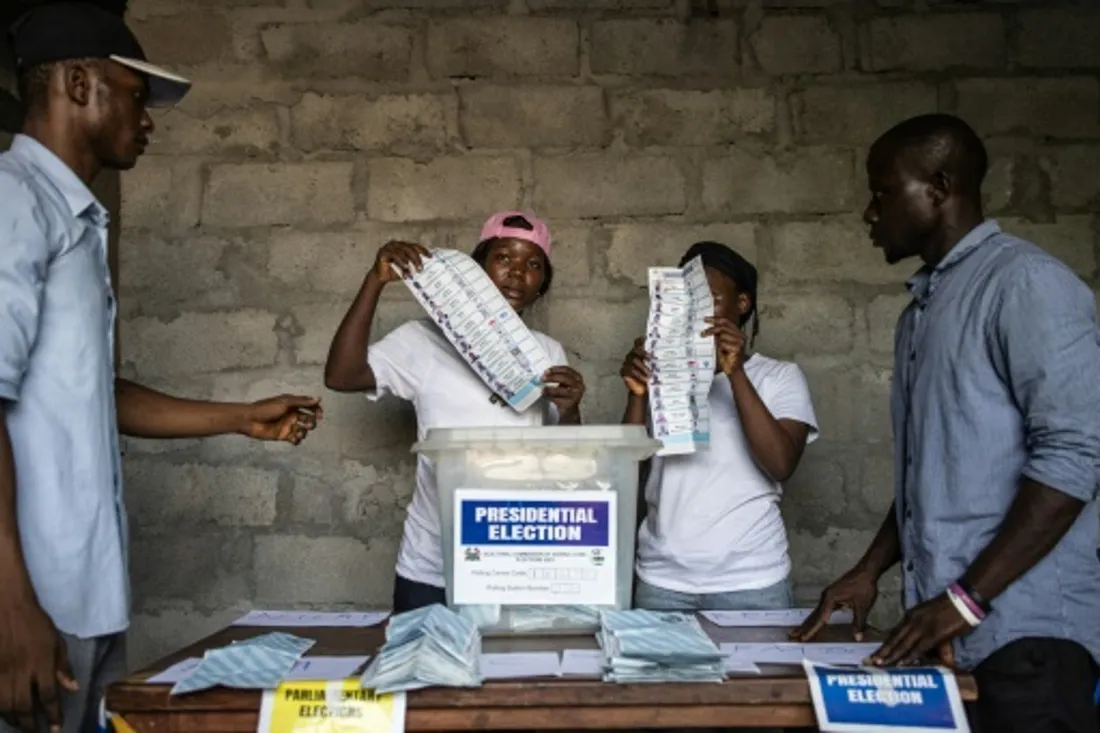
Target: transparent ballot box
{"type": "Point", "coordinates": [538, 523]}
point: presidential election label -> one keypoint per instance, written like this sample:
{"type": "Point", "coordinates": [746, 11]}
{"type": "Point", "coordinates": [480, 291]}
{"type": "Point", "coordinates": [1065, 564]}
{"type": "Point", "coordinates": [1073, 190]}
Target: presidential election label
{"type": "Point", "coordinates": [539, 547]}
{"type": "Point", "coordinates": [330, 707]}
{"type": "Point", "coordinates": [912, 699]}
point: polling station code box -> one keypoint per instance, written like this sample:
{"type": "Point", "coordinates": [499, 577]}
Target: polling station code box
{"type": "Point", "coordinates": [538, 523]}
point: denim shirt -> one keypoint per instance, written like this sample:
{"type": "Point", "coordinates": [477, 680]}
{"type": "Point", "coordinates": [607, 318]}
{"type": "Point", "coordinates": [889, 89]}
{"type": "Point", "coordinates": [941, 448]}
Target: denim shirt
{"type": "Point", "coordinates": [57, 316]}
{"type": "Point", "coordinates": [997, 378]}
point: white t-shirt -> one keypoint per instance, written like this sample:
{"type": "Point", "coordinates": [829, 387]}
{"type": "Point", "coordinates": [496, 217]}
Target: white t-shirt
{"type": "Point", "coordinates": [713, 524]}
{"type": "Point", "coordinates": [417, 363]}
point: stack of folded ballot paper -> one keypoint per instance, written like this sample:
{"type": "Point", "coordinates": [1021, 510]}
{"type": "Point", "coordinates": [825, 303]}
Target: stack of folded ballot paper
{"type": "Point", "coordinates": [652, 646]}
{"type": "Point", "coordinates": [431, 646]}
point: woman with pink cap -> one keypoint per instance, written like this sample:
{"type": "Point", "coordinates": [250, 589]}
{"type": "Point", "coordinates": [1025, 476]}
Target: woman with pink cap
{"type": "Point", "coordinates": [417, 363]}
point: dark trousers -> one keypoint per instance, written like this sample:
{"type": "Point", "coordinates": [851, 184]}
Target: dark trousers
{"type": "Point", "coordinates": [1037, 686]}
{"type": "Point", "coordinates": [408, 595]}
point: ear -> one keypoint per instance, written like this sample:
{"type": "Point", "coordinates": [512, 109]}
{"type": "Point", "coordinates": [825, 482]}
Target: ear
{"type": "Point", "coordinates": [744, 303]}
{"type": "Point", "coordinates": [79, 81]}
{"type": "Point", "coordinates": [940, 186]}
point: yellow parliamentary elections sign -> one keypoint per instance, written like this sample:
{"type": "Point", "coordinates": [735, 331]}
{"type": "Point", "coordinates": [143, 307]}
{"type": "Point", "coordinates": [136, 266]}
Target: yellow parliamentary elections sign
{"type": "Point", "coordinates": [330, 707]}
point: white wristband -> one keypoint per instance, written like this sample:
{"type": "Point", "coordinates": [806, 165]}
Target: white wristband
{"type": "Point", "coordinates": [963, 609]}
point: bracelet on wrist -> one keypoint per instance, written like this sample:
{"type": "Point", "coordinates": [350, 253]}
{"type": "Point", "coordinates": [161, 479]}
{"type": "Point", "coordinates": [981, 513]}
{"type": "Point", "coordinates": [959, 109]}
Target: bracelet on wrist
{"type": "Point", "coordinates": [962, 607]}
{"type": "Point", "coordinates": [968, 592]}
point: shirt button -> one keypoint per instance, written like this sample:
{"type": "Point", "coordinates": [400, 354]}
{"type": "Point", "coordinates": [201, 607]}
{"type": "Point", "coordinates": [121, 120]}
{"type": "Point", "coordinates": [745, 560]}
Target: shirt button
{"type": "Point", "coordinates": [909, 566]}
{"type": "Point", "coordinates": [912, 356]}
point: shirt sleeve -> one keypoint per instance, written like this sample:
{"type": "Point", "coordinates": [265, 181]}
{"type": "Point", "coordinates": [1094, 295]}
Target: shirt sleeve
{"type": "Point", "coordinates": [399, 361]}
{"type": "Point", "coordinates": [24, 262]}
{"type": "Point", "coordinates": [789, 399]}
{"type": "Point", "coordinates": [1047, 334]}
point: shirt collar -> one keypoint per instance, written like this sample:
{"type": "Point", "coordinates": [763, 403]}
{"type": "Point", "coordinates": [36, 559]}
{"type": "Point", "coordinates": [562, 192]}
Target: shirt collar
{"type": "Point", "coordinates": [919, 282]}
{"type": "Point", "coordinates": [76, 194]}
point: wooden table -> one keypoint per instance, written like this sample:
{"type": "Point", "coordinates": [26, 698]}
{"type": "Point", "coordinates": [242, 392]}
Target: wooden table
{"type": "Point", "coordinates": [779, 697]}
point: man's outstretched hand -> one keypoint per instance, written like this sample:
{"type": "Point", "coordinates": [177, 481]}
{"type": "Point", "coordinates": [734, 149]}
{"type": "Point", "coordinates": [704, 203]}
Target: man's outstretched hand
{"type": "Point", "coordinates": [287, 418]}
{"type": "Point", "coordinates": [856, 590]}
{"type": "Point", "coordinates": [34, 666]}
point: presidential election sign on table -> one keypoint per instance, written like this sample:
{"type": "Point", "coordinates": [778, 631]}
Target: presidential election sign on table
{"type": "Point", "coordinates": [912, 699]}
{"type": "Point", "coordinates": [534, 547]}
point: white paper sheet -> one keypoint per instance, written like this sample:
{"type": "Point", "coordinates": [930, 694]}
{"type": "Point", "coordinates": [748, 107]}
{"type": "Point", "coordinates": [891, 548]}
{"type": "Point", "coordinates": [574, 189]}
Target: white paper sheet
{"type": "Point", "coordinates": [794, 653]}
{"type": "Point", "coordinates": [682, 361]}
{"type": "Point", "coordinates": [479, 322]}
{"type": "Point", "coordinates": [582, 662]}
{"type": "Point", "coordinates": [780, 617]}
{"type": "Point", "coordinates": [308, 668]}
{"type": "Point", "coordinates": [330, 619]}
{"type": "Point", "coordinates": [734, 666]}
{"type": "Point", "coordinates": [519, 665]}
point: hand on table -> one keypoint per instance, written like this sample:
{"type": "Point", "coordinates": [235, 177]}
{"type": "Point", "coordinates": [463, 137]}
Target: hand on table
{"type": "Point", "coordinates": [856, 590]}
{"type": "Point", "coordinates": [932, 625]}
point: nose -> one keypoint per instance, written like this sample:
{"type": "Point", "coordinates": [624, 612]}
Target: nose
{"type": "Point", "coordinates": [147, 125]}
{"type": "Point", "coordinates": [870, 213]}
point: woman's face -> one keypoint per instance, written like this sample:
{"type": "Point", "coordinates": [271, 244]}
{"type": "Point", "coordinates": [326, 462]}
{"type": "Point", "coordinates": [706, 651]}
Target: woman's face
{"type": "Point", "coordinates": [518, 269]}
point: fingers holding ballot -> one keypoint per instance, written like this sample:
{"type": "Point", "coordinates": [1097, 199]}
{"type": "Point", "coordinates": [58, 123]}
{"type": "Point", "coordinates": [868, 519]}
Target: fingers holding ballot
{"type": "Point", "coordinates": [565, 388]}
{"type": "Point", "coordinates": [635, 371]}
{"type": "Point", "coordinates": [729, 342]}
{"type": "Point", "coordinates": [407, 257]}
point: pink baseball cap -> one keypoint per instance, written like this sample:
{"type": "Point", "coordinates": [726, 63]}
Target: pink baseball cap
{"type": "Point", "coordinates": [539, 236]}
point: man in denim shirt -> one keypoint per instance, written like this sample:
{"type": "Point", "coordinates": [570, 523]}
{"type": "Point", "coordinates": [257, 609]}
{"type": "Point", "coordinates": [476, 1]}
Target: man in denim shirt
{"type": "Point", "coordinates": [64, 605]}
{"type": "Point", "coordinates": [996, 414]}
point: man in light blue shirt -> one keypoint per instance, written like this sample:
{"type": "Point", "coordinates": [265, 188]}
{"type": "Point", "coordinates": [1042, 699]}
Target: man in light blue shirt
{"type": "Point", "coordinates": [65, 602]}
{"type": "Point", "coordinates": [996, 415]}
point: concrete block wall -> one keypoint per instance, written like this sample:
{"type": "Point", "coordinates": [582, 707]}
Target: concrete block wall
{"type": "Point", "coordinates": [319, 129]}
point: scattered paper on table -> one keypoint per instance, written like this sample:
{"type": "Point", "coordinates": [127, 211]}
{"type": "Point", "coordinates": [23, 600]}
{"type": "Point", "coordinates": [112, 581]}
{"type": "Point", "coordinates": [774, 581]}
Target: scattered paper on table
{"type": "Point", "coordinates": [328, 619]}
{"type": "Point", "coordinates": [681, 359]}
{"type": "Point", "coordinates": [518, 665]}
{"type": "Point", "coordinates": [780, 617]}
{"type": "Point", "coordinates": [175, 673]}
{"type": "Point", "coordinates": [739, 666]}
{"type": "Point", "coordinates": [582, 662]}
{"type": "Point", "coordinates": [307, 668]}
{"type": "Point", "coordinates": [794, 653]}
{"type": "Point", "coordinates": [325, 668]}
{"type": "Point", "coordinates": [258, 663]}
{"type": "Point", "coordinates": [482, 326]}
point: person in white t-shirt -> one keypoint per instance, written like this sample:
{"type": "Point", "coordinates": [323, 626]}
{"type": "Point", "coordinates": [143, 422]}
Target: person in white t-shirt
{"type": "Point", "coordinates": [711, 534]}
{"type": "Point", "coordinates": [417, 363]}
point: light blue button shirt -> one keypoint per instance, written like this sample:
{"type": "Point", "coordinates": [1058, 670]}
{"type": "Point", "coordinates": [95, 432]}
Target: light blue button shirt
{"type": "Point", "coordinates": [997, 377]}
{"type": "Point", "coordinates": [57, 315]}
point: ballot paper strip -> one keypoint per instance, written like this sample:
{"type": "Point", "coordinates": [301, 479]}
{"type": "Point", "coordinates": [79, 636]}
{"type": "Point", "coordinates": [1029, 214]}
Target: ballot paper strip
{"type": "Point", "coordinates": [482, 326]}
{"type": "Point", "coordinates": [682, 360]}
{"type": "Point", "coordinates": [307, 668]}
{"type": "Point", "coordinates": [261, 662]}
{"type": "Point", "coordinates": [794, 653]}
{"type": "Point", "coordinates": [781, 617]}
{"type": "Point", "coordinates": [316, 619]}
{"type": "Point", "coordinates": [913, 699]}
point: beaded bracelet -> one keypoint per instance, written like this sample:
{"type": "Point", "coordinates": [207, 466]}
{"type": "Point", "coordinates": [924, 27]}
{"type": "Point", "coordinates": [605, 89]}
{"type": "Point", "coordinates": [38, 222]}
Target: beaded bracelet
{"type": "Point", "coordinates": [962, 607]}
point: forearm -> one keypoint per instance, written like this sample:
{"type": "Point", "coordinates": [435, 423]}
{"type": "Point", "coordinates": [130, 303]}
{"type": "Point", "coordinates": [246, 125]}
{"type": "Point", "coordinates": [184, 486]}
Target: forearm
{"type": "Point", "coordinates": [635, 410]}
{"type": "Point", "coordinates": [771, 446]}
{"type": "Point", "coordinates": [146, 413]}
{"type": "Point", "coordinates": [13, 569]}
{"type": "Point", "coordinates": [1037, 520]}
{"type": "Point", "coordinates": [885, 549]}
{"type": "Point", "coordinates": [346, 369]}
